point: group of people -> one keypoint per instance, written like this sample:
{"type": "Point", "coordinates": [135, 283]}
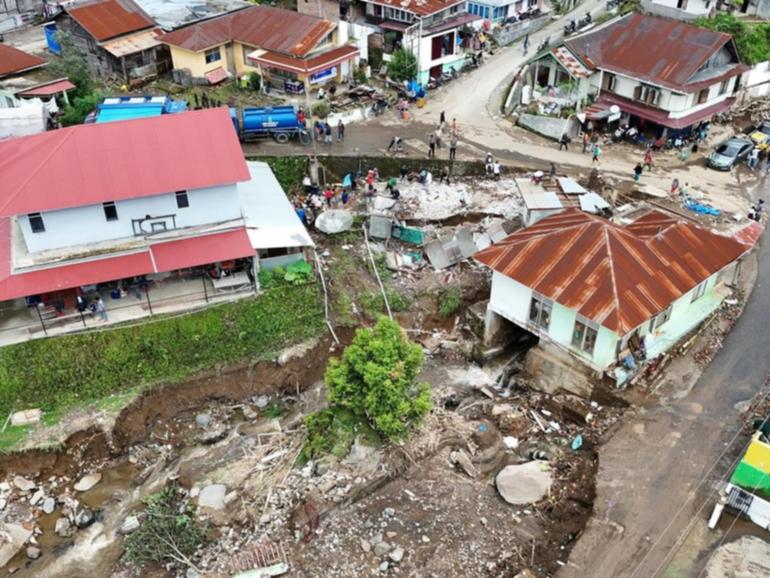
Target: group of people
{"type": "Point", "coordinates": [325, 134]}
{"type": "Point", "coordinates": [492, 167]}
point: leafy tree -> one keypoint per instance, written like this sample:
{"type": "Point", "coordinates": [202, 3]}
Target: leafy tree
{"type": "Point", "coordinates": [376, 378]}
{"type": "Point", "coordinates": [752, 41]}
{"type": "Point", "coordinates": [168, 533]}
{"type": "Point", "coordinates": [79, 109]}
{"type": "Point", "coordinates": [73, 65]}
{"type": "Point", "coordinates": [403, 65]}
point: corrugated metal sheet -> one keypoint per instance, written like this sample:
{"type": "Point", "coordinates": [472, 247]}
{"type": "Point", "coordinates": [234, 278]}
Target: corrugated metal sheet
{"type": "Point", "coordinates": [105, 19]}
{"type": "Point", "coordinates": [544, 200]}
{"type": "Point", "coordinates": [87, 164]}
{"type": "Point", "coordinates": [47, 88]}
{"type": "Point", "coordinates": [608, 273]}
{"type": "Point", "coordinates": [265, 27]}
{"type": "Point", "coordinates": [202, 250]}
{"type": "Point", "coordinates": [315, 64]}
{"type": "Point", "coordinates": [133, 43]}
{"type": "Point", "coordinates": [658, 50]}
{"type": "Point", "coordinates": [13, 60]}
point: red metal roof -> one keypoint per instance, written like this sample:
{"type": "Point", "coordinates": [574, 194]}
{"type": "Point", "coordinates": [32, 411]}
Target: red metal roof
{"type": "Point", "coordinates": [283, 31]}
{"type": "Point", "coordinates": [105, 19]}
{"type": "Point", "coordinates": [418, 7]}
{"type": "Point", "coordinates": [47, 89]}
{"type": "Point", "coordinates": [13, 60]}
{"type": "Point", "coordinates": [309, 65]}
{"type": "Point", "coordinates": [658, 50]}
{"type": "Point", "coordinates": [619, 277]}
{"type": "Point", "coordinates": [202, 250]}
{"type": "Point", "coordinates": [749, 235]}
{"type": "Point", "coordinates": [656, 115]}
{"type": "Point", "coordinates": [88, 164]}
{"type": "Point", "coordinates": [159, 258]}
{"type": "Point", "coordinates": [217, 75]}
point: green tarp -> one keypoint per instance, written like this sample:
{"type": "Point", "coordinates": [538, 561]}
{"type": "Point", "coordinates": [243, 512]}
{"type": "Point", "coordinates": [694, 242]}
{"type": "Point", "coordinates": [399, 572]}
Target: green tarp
{"type": "Point", "coordinates": [751, 479]}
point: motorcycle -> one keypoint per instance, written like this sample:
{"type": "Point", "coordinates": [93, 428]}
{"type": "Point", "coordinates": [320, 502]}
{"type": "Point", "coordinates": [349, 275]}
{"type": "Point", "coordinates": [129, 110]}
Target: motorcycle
{"type": "Point", "coordinates": [378, 107]}
{"type": "Point", "coordinates": [612, 4]}
{"type": "Point", "coordinates": [570, 27]}
{"type": "Point", "coordinates": [585, 20]}
{"type": "Point", "coordinates": [543, 44]}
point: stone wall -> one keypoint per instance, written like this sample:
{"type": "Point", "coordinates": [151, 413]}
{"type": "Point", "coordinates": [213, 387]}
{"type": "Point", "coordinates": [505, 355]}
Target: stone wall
{"type": "Point", "coordinates": [548, 126]}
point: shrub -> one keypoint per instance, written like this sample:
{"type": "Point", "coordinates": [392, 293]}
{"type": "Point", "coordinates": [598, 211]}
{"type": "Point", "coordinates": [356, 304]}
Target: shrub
{"type": "Point", "coordinates": [321, 109]}
{"type": "Point", "coordinates": [403, 66]}
{"type": "Point", "coordinates": [752, 41]}
{"type": "Point", "coordinates": [376, 378]}
{"type": "Point", "coordinates": [449, 301]}
{"type": "Point", "coordinates": [372, 303]}
{"type": "Point", "coordinates": [332, 431]}
{"type": "Point", "coordinates": [297, 273]}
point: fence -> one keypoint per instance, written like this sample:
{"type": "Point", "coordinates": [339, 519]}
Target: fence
{"type": "Point", "coordinates": [512, 32]}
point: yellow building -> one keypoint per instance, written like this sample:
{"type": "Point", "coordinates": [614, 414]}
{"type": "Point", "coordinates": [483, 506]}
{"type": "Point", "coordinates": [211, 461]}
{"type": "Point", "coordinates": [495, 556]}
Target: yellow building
{"type": "Point", "coordinates": [306, 51]}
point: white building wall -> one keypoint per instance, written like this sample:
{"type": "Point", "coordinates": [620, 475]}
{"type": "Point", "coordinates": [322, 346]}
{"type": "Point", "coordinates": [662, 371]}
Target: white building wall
{"type": "Point", "coordinates": [357, 34]}
{"type": "Point", "coordinates": [82, 225]}
{"type": "Point", "coordinates": [510, 299]}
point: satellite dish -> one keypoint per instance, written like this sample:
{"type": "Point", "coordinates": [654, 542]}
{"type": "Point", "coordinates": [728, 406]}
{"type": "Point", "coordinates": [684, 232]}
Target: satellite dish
{"type": "Point", "coordinates": [614, 109]}
{"type": "Point", "coordinates": [334, 221]}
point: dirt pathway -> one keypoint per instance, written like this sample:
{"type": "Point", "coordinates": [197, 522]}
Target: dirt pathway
{"type": "Point", "coordinates": [662, 466]}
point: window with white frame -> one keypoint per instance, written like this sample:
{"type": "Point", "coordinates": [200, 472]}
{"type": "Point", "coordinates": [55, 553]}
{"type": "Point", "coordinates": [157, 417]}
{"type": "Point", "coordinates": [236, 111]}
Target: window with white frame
{"type": "Point", "coordinates": [648, 94]}
{"type": "Point", "coordinates": [660, 318]}
{"type": "Point", "coordinates": [540, 311]}
{"type": "Point", "coordinates": [584, 335]}
{"type": "Point", "coordinates": [699, 291]}
{"type": "Point", "coordinates": [212, 55]}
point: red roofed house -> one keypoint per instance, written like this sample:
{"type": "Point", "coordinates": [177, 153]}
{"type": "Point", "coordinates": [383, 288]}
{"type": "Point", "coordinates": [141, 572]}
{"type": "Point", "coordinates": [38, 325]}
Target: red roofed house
{"type": "Point", "coordinates": [289, 48]}
{"type": "Point", "coordinates": [119, 207]}
{"type": "Point", "coordinates": [15, 61]}
{"type": "Point", "coordinates": [117, 38]}
{"type": "Point", "coordinates": [597, 291]}
{"type": "Point", "coordinates": [653, 71]}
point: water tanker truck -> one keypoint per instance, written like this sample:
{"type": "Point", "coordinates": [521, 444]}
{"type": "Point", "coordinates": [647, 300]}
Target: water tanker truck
{"type": "Point", "coordinates": [279, 122]}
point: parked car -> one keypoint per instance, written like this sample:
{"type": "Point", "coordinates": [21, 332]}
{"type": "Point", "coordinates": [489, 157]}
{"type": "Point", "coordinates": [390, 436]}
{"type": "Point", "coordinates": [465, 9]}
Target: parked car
{"type": "Point", "coordinates": [729, 153]}
{"type": "Point", "coordinates": [760, 136]}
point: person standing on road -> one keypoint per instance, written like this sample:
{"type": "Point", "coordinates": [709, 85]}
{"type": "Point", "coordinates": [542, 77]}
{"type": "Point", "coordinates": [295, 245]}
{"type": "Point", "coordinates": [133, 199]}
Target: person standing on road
{"type": "Point", "coordinates": [101, 309]}
{"type": "Point", "coordinates": [442, 119]}
{"type": "Point", "coordinates": [454, 125]}
{"type": "Point", "coordinates": [552, 171]}
{"type": "Point", "coordinates": [596, 151]}
{"type": "Point", "coordinates": [564, 142]}
{"type": "Point", "coordinates": [586, 142]}
{"type": "Point", "coordinates": [526, 44]}
{"type": "Point", "coordinates": [328, 131]}
{"type": "Point", "coordinates": [753, 158]}
{"type": "Point", "coordinates": [395, 142]}
{"type": "Point", "coordinates": [638, 172]}
{"type": "Point", "coordinates": [496, 170]}
{"type": "Point", "coordinates": [340, 131]}
{"type": "Point", "coordinates": [648, 159]}
{"type": "Point", "coordinates": [432, 146]}
{"type": "Point", "coordinates": [452, 147]}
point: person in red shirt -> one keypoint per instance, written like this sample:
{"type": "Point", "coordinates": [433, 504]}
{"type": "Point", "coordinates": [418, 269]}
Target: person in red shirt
{"type": "Point", "coordinates": [329, 194]}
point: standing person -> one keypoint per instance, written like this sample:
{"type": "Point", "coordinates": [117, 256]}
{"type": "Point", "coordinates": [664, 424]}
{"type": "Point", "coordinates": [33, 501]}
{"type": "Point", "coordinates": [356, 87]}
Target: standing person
{"type": "Point", "coordinates": [552, 172]}
{"type": "Point", "coordinates": [392, 182]}
{"type": "Point", "coordinates": [328, 195]}
{"type": "Point", "coordinates": [444, 175]}
{"type": "Point", "coordinates": [340, 131]}
{"type": "Point", "coordinates": [526, 44]}
{"type": "Point", "coordinates": [496, 170]}
{"type": "Point", "coordinates": [753, 158]}
{"type": "Point", "coordinates": [432, 146]}
{"type": "Point", "coordinates": [564, 142]}
{"type": "Point", "coordinates": [395, 142]}
{"type": "Point", "coordinates": [638, 172]}
{"type": "Point", "coordinates": [328, 130]}
{"type": "Point", "coordinates": [674, 186]}
{"type": "Point", "coordinates": [648, 159]}
{"type": "Point", "coordinates": [596, 152]}
{"type": "Point", "coordinates": [489, 164]}
{"type": "Point", "coordinates": [452, 147]}
{"type": "Point", "coordinates": [301, 117]}
{"type": "Point", "coordinates": [454, 125]}
{"type": "Point", "coordinates": [586, 142]}
{"type": "Point", "coordinates": [101, 309]}
{"type": "Point", "coordinates": [442, 119]}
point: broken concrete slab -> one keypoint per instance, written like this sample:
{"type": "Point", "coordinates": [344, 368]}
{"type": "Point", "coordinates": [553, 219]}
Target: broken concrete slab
{"type": "Point", "coordinates": [23, 484]}
{"type": "Point", "coordinates": [524, 483]}
{"type": "Point", "coordinates": [87, 482]}
{"type": "Point", "coordinates": [12, 539]}
{"type": "Point", "coordinates": [461, 459]}
{"type": "Point", "coordinates": [26, 417]}
{"type": "Point", "coordinates": [213, 497]}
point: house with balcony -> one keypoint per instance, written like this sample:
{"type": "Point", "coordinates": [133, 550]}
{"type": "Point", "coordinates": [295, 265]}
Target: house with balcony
{"type": "Point", "coordinates": [658, 74]}
{"type": "Point", "coordinates": [117, 38]}
{"type": "Point", "coordinates": [307, 51]}
{"type": "Point", "coordinates": [154, 214]}
{"type": "Point", "coordinates": [687, 10]}
{"type": "Point", "coordinates": [604, 297]}
{"type": "Point", "coordinates": [437, 32]}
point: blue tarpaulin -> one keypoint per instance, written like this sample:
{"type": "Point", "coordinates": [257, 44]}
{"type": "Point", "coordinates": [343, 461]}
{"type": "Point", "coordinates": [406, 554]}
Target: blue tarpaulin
{"type": "Point", "coordinates": [50, 38]}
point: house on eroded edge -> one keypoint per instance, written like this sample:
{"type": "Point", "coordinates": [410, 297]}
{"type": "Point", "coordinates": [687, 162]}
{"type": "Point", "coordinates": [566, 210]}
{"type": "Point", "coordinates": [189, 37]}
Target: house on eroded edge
{"type": "Point", "coordinates": [596, 292]}
{"type": "Point", "coordinates": [646, 71]}
{"type": "Point", "coordinates": [154, 214]}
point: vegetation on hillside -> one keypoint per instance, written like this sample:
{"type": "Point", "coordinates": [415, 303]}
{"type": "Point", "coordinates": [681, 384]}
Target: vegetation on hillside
{"type": "Point", "coordinates": [752, 40]}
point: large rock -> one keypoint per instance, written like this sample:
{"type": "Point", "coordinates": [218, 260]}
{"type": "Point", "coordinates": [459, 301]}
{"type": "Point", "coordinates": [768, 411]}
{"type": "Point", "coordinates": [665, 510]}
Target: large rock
{"type": "Point", "coordinates": [84, 518]}
{"type": "Point", "coordinates": [203, 420]}
{"type": "Point", "coordinates": [63, 528]}
{"type": "Point", "coordinates": [49, 505]}
{"type": "Point", "coordinates": [87, 482]}
{"type": "Point", "coordinates": [129, 525]}
{"type": "Point", "coordinates": [12, 539]}
{"type": "Point", "coordinates": [524, 483]}
{"type": "Point", "coordinates": [33, 553]}
{"type": "Point", "coordinates": [36, 498]}
{"type": "Point", "coordinates": [24, 484]}
{"type": "Point", "coordinates": [461, 459]}
{"type": "Point", "coordinates": [213, 497]}
{"type": "Point", "coordinates": [213, 433]}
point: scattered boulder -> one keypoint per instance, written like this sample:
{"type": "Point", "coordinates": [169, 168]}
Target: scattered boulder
{"type": "Point", "coordinates": [262, 401]}
{"type": "Point", "coordinates": [130, 524]}
{"type": "Point", "coordinates": [63, 528]}
{"type": "Point", "coordinates": [84, 518]}
{"type": "Point", "coordinates": [87, 482]}
{"type": "Point", "coordinates": [49, 505]}
{"type": "Point", "coordinates": [249, 413]}
{"type": "Point", "coordinates": [384, 566]}
{"type": "Point", "coordinates": [397, 554]}
{"type": "Point", "coordinates": [203, 420]}
{"type": "Point", "coordinates": [524, 483]}
{"type": "Point", "coordinates": [36, 498]}
{"type": "Point", "coordinates": [213, 497]}
{"type": "Point", "coordinates": [213, 434]}
{"type": "Point", "coordinates": [33, 553]}
{"type": "Point", "coordinates": [26, 417]}
{"type": "Point", "coordinates": [23, 484]}
{"type": "Point", "coordinates": [5, 487]}
{"type": "Point", "coordinates": [366, 546]}
{"type": "Point", "coordinates": [461, 459]}
{"type": "Point", "coordinates": [3, 503]}
{"type": "Point", "coordinates": [191, 573]}
{"type": "Point", "coordinates": [381, 548]}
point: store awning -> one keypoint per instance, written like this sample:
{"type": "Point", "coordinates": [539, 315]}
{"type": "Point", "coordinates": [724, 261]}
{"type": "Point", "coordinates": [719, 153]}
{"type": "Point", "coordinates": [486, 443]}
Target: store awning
{"type": "Point", "coordinates": [656, 115]}
{"type": "Point", "coordinates": [203, 250]}
{"type": "Point", "coordinates": [46, 89]}
{"type": "Point", "coordinates": [304, 65]}
{"type": "Point", "coordinates": [393, 25]}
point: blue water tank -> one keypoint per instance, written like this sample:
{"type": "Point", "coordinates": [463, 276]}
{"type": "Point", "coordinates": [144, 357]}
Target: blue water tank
{"type": "Point", "coordinates": [270, 119]}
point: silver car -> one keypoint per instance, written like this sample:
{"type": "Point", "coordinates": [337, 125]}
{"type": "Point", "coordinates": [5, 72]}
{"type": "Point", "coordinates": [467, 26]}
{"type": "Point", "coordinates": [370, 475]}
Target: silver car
{"type": "Point", "coordinates": [729, 153]}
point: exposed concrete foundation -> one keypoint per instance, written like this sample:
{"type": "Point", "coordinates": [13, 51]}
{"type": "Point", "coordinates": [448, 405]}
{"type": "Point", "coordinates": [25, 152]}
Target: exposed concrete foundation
{"type": "Point", "coordinates": [552, 369]}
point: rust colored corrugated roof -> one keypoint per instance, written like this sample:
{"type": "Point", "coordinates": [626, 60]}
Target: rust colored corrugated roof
{"type": "Point", "coordinates": [419, 7]}
{"type": "Point", "coordinates": [617, 276]}
{"type": "Point", "coordinates": [657, 50]}
{"type": "Point", "coordinates": [273, 29]}
{"type": "Point", "coordinates": [105, 19]}
{"type": "Point", "coordinates": [309, 65]}
{"type": "Point", "coordinates": [13, 60]}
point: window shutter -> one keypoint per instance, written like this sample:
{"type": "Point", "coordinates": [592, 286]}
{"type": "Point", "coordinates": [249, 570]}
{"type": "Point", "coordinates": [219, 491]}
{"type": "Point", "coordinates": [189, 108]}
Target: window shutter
{"type": "Point", "coordinates": [638, 93]}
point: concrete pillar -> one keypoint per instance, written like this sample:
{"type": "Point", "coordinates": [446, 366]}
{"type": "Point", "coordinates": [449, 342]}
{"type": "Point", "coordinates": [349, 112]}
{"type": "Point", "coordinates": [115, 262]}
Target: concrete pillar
{"type": "Point", "coordinates": [493, 326]}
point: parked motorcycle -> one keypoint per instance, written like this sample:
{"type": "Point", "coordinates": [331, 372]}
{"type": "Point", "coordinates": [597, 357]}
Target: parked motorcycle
{"type": "Point", "coordinates": [612, 4]}
{"type": "Point", "coordinates": [585, 20]}
{"type": "Point", "coordinates": [543, 44]}
{"type": "Point", "coordinates": [570, 27]}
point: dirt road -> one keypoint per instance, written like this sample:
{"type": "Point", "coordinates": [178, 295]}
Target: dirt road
{"type": "Point", "coordinates": [658, 473]}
